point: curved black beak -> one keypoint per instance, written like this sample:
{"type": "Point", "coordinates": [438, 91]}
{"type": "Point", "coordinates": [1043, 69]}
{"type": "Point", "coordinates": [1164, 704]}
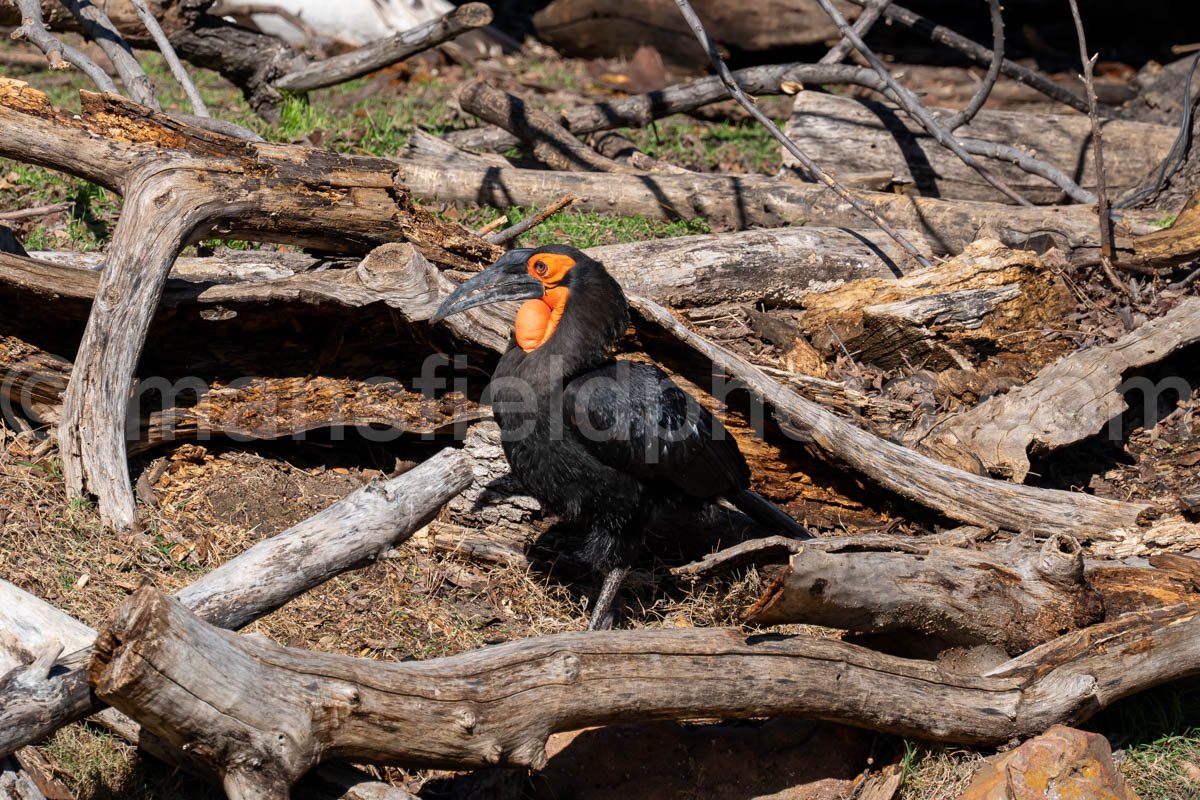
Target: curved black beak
{"type": "Point", "coordinates": [507, 279]}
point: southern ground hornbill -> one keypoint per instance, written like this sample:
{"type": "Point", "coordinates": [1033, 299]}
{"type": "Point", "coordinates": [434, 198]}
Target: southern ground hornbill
{"type": "Point", "coordinates": [599, 442]}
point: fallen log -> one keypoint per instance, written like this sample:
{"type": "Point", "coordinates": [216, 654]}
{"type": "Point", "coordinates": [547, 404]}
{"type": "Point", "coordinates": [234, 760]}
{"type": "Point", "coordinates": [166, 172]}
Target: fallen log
{"type": "Point", "coordinates": [607, 28]}
{"type": "Point", "coordinates": [1071, 399]}
{"type": "Point", "coordinates": [37, 699]}
{"type": "Point", "coordinates": [930, 317]}
{"type": "Point", "coordinates": [1015, 595]}
{"type": "Point", "coordinates": [945, 227]}
{"type": "Point", "coordinates": [770, 267]}
{"type": "Point", "coordinates": [957, 494]}
{"type": "Point", "coordinates": [639, 110]}
{"type": "Point", "coordinates": [846, 135]}
{"type": "Point", "coordinates": [182, 182]}
{"type": "Point", "coordinates": [263, 714]}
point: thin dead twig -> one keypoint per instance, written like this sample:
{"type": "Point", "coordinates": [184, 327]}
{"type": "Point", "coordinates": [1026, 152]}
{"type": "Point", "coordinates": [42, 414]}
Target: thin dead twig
{"type": "Point", "coordinates": [909, 102]}
{"type": "Point", "coordinates": [493, 225]}
{"type": "Point", "coordinates": [512, 232]}
{"type": "Point", "coordinates": [102, 31]}
{"type": "Point", "coordinates": [1106, 241]}
{"type": "Point", "coordinates": [872, 10]}
{"type": "Point", "coordinates": [979, 54]}
{"type": "Point", "coordinates": [989, 80]}
{"type": "Point", "coordinates": [35, 211]}
{"type": "Point", "coordinates": [168, 53]}
{"type": "Point", "coordinates": [693, 20]}
{"type": "Point", "coordinates": [33, 30]}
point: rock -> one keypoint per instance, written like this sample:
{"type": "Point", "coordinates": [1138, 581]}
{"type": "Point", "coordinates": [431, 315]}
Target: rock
{"type": "Point", "coordinates": [1061, 763]}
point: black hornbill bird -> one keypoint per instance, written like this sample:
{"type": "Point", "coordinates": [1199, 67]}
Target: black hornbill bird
{"type": "Point", "coordinates": [599, 442]}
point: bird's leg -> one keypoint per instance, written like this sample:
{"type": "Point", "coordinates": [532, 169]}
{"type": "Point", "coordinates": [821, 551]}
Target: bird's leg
{"type": "Point", "coordinates": [604, 613]}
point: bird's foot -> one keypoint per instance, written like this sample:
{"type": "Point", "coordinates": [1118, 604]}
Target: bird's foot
{"type": "Point", "coordinates": [604, 613]}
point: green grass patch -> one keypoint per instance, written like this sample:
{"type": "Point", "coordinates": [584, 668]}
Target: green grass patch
{"type": "Point", "coordinates": [583, 228]}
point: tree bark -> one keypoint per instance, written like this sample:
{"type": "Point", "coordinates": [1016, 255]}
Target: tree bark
{"type": "Point", "coordinates": [845, 135]}
{"type": "Point", "coordinates": [1015, 596]}
{"type": "Point", "coordinates": [957, 494]}
{"type": "Point", "coordinates": [35, 701]}
{"type": "Point", "coordinates": [738, 202]}
{"type": "Point", "coordinates": [263, 714]}
{"type": "Point", "coordinates": [180, 183]}
{"type": "Point", "coordinates": [987, 292]}
{"type": "Point", "coordinates": [1071, 399]}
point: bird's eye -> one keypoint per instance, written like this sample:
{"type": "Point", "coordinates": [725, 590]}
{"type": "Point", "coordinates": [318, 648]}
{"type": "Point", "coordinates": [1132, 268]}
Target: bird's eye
{"type": "Point", "coordinates": [540, 267]}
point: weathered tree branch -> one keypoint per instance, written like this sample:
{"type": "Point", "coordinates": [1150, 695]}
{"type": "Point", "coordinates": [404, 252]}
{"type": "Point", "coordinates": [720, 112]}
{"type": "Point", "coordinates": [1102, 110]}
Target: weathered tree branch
{"type": "Point", "coordinates": [913, 106]}
{"type": "Point", "coordinates": [168, 53]}
{"type": "Point", "coordinates": [979, 54]}
{"type": "Point", "coordinates": [952, 492]}
{"type": "Point", "coordinates": [710, 47]}
{"type": "Point", "coordinates": [181, 182]}
{"type": "Point", "coordinates": [33, 29]}
{"type": "Point", "coordinates": [435, 172]}
{"type": "Point", "coordinates": [387, 51]}
{"type": "Point", "coordinates": [348, 534]}
{"type": "Point", "coordinates": [1071, 399]}
{"type": "Point", "coordinates": [1015, 596]}
{"type": "Point", "coordinates": [98, 27]}
{"type": "Point", "coordinates": [263, 714]}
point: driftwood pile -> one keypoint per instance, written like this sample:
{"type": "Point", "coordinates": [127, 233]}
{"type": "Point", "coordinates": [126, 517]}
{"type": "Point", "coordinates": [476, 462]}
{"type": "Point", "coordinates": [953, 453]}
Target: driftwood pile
{"type": "Point", "coordinates": [1039, 608]}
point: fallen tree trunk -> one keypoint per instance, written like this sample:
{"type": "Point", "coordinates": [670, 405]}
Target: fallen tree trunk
{"type": "Point", "coordinates": [957, 494]}
{"type": "Point", "coordinates": [37, 699]}
{"type": "Point", "coordinates": [179, 183]}
{"type": "Point", "coordinates": [988, 292]}
{"type": "Point", "coordinates": [944, 226]}
{"type": "Point", "coordinates": [1015, 596]}
{"type": "Point", "coordinates": [1071, 399]}
{"type": "Point", "coordinates": [771, 267]}
{"type": "Point", "coordinates": [263, 714]}
{"type": "Point", "coordinates": [845, 135]}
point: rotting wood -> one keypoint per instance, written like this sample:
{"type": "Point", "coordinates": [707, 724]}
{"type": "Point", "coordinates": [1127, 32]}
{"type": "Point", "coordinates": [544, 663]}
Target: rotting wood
{"type": "Point", "coordinates": [853, 136]}
{"type": "Point", "coordinates": [263, 714]}
{"type": "Point", "coordinates": [987, 292]}
{"type": "Point", "coordinates": [1014, 595]}
{"type": "Point", "coordinates": [180, 182]}
{"type": "Point", "coordinates": [354, 531]}
{"type": "Point", "coordinates": [1069, 400]}
{"type": "Point", "coordinates": [957, 494]}
{"type": "Point", "coordinates": [448, 175]}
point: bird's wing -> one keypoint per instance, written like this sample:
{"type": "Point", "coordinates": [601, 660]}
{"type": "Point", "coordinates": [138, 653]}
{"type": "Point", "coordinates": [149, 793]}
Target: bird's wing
{"type": "Point", "coordinates": [634, 418]}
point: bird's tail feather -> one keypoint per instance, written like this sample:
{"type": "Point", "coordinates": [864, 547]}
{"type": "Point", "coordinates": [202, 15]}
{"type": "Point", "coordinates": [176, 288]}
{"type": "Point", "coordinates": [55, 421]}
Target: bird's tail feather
{"type": "Point", "coordinates": [769, 515]}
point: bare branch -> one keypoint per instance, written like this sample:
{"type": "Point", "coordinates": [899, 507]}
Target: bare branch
{"type": "Point", "coordinates": [989, 80]}
{"type": "Point", "coordinates": [368, 58]}
{"type": "Point", "coordinates": [532, 221]}
{"type": "Point", "coordinates": [980, 54]}
{"type": "Point", "coordinates": [33, 29]}
{"type": "Point", "coordinates": [168, 52]}
{"type": "Point", "coordinates": [909, 102]}
{"type": "Point", "coordinates": [100, 28]}
{"type": "Point", "coordinates": [866, 20]}
{"type": "Point", "coordinates": [689, 14]}
{"type": "Point", "coordinates": [1106, 240]}
{"type": "Point", "coordinates": [1014, 155]}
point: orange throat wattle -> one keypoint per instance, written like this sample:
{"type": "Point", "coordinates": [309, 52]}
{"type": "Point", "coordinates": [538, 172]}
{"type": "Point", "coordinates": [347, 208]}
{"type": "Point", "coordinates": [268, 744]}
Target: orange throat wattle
{"type": "Point", "coordinates": [537, 319]}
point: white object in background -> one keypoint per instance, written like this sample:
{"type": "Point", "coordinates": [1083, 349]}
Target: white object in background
{"type": "Point", "coordinates": [353, 22]}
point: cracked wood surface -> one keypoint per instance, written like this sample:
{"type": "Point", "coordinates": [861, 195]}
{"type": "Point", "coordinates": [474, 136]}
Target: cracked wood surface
{"type": "Point", "coordinates": [263, 714]}
{"type": "Point", "coordinates": [1071, 399]}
